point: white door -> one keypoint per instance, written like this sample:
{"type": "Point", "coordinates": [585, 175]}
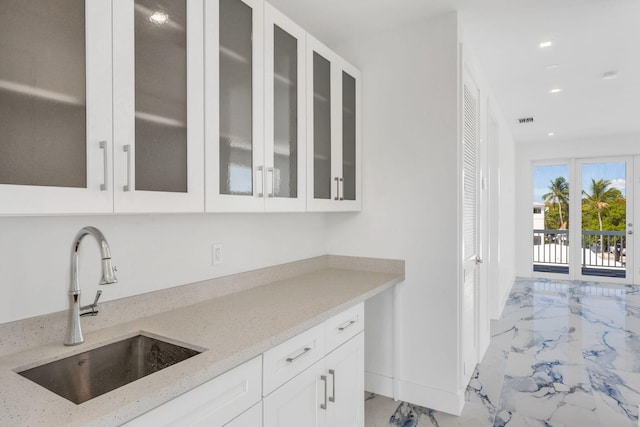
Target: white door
{"type": "Point", "coordinates": [234, 105]}
{"type": "Point", "coordinates": [603, 248]}
{"type": "Point", "coordinates": [345, 372]}
{"type": "Point", "coordinates": [285, 117]}
{"type": "Point", "coordinates": [55, 98]}
{"type": "Point", "coordinates": [298, 402]}
{"type": "Point", "coordinates": [470, 225]}
{"type": "Point", "coordinates": [158, 106]}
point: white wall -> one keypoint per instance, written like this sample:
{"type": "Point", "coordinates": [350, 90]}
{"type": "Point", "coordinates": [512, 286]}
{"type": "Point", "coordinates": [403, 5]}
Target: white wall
{"type": "Point", "coordinates": [410, 78]}
{"type": "Point", "coordinates": [553, 149]}
{"type": "Point", "coordinates": [151, 252]}
{"type": "Point", "coordinates": [410, 203]}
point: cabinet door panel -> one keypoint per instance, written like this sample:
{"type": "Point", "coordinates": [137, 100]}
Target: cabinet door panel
{"type": "Point", "coordinates": [252, 417]}
{"type": "Point", "coordinates": [285, 134]}
{"type": "Point", "coordinates": [297, 403]}
{"type": "Point", "coordinates": [55, 106]}
{"type": "Point", "coordinates": [333, 135]}
{"type": "Point", "coordinates": [345, 368]}
{"type": "Point", "coordinates": [235, 105]}
{"type": "Point", "coordinates": [158, 85]}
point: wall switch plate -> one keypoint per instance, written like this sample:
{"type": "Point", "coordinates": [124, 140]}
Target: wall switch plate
{"type": "Point", "coordinates": [216, 254]}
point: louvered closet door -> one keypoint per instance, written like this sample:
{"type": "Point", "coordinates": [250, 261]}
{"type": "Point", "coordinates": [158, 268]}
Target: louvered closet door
{"type": "Point", "coordinates": [470, 222]}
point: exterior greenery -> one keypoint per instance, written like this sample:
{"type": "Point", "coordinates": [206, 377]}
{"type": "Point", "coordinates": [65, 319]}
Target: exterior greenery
{"type": "Point", "coordinates": [603, 207]}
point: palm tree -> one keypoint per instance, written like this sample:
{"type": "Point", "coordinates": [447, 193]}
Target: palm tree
{"type": "Point", "coordinates": [601, 196]}
{"type": "Point", "coordinates": [559, 194]}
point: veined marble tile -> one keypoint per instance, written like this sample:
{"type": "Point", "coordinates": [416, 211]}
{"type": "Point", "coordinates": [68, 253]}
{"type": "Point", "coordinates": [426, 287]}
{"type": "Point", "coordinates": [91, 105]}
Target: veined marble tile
{"type": "Point", "coordinates": [617, 395]}
{"type": "Point", "coordinates": [554, 392]}
{"type": "Point", "coordinates": [564, 353]}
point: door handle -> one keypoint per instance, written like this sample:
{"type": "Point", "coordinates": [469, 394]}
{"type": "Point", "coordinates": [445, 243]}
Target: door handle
{"type": "Point", "coordinates": [333, 386]}
{"type": "Point", "coordinates": [479, 260]}
{"type": "Point", "coordinates": [324, 379]}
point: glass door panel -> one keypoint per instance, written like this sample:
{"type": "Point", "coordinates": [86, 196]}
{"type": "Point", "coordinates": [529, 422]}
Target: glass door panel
{"type": "Point", "coordinates": [605, 250]}
{"type": "Point", "coordinates": [161, 95]}
{"type": "Point", "coordinates": [235, 82]}
{"type": "Point", "coordinates": [43, 132]}
{"type": "Point", "coordinates": [348, 137]}
{"type": "Point", "coordinates": [551, 218]}
{"type": "Point", "coordinates": [285, 105]}
{"type": "Point", "coordinates": [321, 127]}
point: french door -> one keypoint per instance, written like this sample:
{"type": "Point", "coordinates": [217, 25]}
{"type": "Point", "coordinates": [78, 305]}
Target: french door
{"type": "Point", "coordinates": [603, 220]}
{"type": "Point", "coordinates": [583, 217]}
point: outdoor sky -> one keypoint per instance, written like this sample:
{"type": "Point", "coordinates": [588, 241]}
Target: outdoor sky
{"type": "Point", "coordinates": [543, 175]}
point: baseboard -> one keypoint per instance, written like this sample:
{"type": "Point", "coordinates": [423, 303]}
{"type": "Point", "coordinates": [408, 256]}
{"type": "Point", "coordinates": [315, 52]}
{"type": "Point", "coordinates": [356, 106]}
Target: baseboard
{"type": "Point", "coordinates": [378, 384]}
{"type": "Point", "coordinates": [440, 400]}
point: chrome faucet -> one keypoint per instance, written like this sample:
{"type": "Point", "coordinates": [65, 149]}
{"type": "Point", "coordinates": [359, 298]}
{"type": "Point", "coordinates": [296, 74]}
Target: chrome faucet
{"type": "Point", "coordinates": [74, 331]}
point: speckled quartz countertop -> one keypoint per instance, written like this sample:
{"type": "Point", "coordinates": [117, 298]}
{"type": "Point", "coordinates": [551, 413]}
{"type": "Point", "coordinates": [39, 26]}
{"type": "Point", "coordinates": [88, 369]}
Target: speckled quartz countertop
{"type": "Point", "coordinates": [233, 328]}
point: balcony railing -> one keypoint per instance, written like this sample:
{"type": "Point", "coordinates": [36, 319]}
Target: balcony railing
{"type": "Point", "coordinates": [603, 253]}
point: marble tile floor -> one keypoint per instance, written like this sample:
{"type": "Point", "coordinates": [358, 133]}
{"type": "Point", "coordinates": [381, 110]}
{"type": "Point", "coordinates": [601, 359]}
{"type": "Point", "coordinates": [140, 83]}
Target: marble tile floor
{"type": "Point", "coordinates": [564, 353]}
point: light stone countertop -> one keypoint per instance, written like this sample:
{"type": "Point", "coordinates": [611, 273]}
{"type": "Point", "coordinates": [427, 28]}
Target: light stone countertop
{"type": "Point", "coordinates": [232, 328]}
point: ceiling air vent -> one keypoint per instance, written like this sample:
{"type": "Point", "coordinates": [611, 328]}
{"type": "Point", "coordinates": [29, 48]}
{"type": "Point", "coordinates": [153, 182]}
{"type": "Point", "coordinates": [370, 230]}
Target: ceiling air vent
{"type": "Point", "coordinates": [525, 120]}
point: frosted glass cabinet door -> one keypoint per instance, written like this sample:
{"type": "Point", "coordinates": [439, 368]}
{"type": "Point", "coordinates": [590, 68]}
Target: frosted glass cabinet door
{"type": "Point", "coordinates": [333, 131]}
{"type": "Point", "coordinates": [55, 106]}
{"type": "Point", "coordinates": [285, 133]}
{"type": "Point", "coordinates": [234, 74]}
{"type": "Point", "coordinates": [158, 85]}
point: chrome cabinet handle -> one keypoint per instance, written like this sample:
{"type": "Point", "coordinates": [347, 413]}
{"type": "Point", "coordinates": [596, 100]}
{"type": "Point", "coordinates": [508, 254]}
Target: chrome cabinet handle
{"type": "Point", "coordinates": [324, 405]}
{"type": "Point", "coordinates": [103, 146]}
{"type": "Point", "coordinates": [272, 182]}
{"type": "Point", "coordinates": [337, 188]}
{"type": "Point", "coordinates": [260, 171]}
{"type": "Point", "coordinates": [302, 353]}
{"type": "Point", "coordinates": [127, 149]}
{"type": "Point", "coordinates": [346, 325]}
{"type": "Point", "coordinates": [341, 189]}
{"type": "Point", "coordinates": [333, 386]}
{"type": "Point", "coordinates": [479, 260]}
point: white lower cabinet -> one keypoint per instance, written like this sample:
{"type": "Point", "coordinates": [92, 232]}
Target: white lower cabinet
{"type": "Point", "coordinates": [252, 417]}
{"type": "Point", "coordinates": [314, 379]}
{"type": "Point", "coordinates": [212, 404]}
{"type": "Point", "coordinates": [329, 393]}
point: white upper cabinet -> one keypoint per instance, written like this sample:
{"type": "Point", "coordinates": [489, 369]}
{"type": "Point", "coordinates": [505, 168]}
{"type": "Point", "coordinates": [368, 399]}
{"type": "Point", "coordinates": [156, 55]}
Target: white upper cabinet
{"type": "Point", "coordinates": [234, 105]}
{"type": "Point", "coordinates": [255, 125]}
{"type": "Point", "coordinates": [133, 106]}
{"type": "Point", "coordinates": [334, 155]}
{"type": "Point", "coordinates": [285, 132]}
{"type": "Point", "coordinates": [158, 85]}
{"type": "Point", "coordinates": [55, 107]}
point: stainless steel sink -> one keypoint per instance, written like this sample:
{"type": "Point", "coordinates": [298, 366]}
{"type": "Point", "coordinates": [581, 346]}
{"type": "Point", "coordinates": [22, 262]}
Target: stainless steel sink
{"type": "Point", "coordinates": [86, 375]}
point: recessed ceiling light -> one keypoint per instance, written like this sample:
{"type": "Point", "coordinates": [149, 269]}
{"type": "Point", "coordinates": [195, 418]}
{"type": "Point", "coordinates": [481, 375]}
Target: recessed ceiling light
{"type": "Point", "coordinates": [546, 44]}
{"type": "Point", "coordinates": [551, 66]}
{"type": "Point", "coordinates": [550, 134]}
{"type": "Point", "coordinates": [610, 75]}
{"type": "Point", "coordinates": [555, 90]}
{"type": "Point", "coordinates": [159, 17]}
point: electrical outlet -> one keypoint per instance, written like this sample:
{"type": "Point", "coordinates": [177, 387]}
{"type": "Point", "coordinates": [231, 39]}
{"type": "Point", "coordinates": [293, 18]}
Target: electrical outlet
{"type": "Point", "coordinates": [216, 254]}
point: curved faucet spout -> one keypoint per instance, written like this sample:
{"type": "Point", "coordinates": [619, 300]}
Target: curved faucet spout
{"type": "Point", "coordinates": [74, 331]}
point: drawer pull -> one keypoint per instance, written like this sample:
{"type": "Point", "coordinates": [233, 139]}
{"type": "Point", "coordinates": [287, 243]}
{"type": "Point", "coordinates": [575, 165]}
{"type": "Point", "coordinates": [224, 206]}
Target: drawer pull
{"type": "Point", "coordinates": [346, 325]}
{"type": "Point", "coordinates": [324, 405]}
{"type": "Point", "coordinates": [333, 386]}
{"type": "Point", "coordinates": [302, 353]}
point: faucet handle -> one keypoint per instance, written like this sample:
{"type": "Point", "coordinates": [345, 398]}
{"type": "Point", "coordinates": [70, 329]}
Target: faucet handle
{"type": "Point", "coordinates": [95, 301]}
{"type": "Point", "coordinates": [91, 309]}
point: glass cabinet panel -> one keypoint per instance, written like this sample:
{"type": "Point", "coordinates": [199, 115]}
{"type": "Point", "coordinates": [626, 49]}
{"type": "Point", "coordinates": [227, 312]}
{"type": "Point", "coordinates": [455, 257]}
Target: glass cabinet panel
{"type": "Point", "coordinates": [43, 132]}
{"type": "Point", "coordinates": [161, 95]}
{"type": "Point", "coordinates": [236, 140]}
{"type": "Point", "coordinates": [321, 127]}
{"type": "Point", "coordinates": [349, 136]}
{"type": "Point", "coordinates": [285, 88]}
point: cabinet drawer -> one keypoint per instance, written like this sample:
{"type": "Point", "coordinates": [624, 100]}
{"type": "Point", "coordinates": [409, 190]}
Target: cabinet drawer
{"type": "Point", "coordinates": [213, 403]}
{"type": "Point", "coordinates": [344, 326]}
{"type": "Point", "coordinates": [288, 359]}
{"type": "Point", "coordinates": [250, 418]}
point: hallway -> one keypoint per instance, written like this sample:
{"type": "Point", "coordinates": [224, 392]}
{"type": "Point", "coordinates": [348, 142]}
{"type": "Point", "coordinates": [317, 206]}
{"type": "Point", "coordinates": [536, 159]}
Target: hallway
{"type": "Point", "coordinates": [564, 353]}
